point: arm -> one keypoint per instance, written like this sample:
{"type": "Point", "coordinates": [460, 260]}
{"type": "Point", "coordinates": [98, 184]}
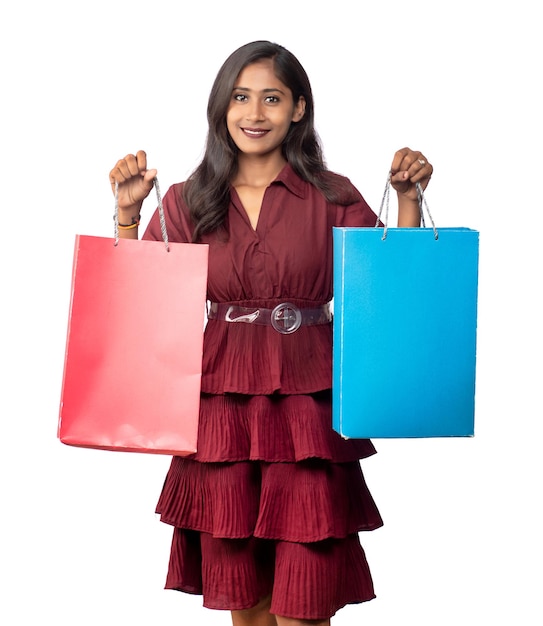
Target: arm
{"type": "Point", "coordinates": [408, 168]}
{"type": "Point", "coordinates": [135, 182]}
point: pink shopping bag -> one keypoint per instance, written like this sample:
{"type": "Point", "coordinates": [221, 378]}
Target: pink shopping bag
{"type": "Point", "coordinates": [133, 359]}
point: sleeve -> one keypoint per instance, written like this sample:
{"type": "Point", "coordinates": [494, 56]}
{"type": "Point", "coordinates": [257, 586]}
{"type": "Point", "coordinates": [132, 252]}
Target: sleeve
{"type": "Point", "coordinates": [357, 213]}
{"type": "Point", "coordinates": [177, 218]}
{"type": "Point", "coordinates": [351, 208]}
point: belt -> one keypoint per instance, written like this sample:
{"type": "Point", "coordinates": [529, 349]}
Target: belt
{"type": "Point", "coordinates": [285, 318]}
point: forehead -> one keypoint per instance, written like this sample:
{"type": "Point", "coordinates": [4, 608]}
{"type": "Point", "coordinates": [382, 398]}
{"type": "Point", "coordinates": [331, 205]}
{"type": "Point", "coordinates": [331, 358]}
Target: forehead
{"type": "Point", "coordinates": [260, 76]}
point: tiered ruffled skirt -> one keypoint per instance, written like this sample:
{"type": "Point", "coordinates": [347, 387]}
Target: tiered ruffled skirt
{"type": "Point", "coordinates": [271, 504]}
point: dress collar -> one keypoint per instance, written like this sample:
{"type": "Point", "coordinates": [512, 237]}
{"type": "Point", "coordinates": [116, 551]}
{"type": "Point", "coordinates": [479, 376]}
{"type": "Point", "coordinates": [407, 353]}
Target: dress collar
{"type": "Point", "coordinates": [288, 177]}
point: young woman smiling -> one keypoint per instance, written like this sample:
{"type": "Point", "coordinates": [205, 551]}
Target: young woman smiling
{"type": "Point", "coordinates": [267, 513]}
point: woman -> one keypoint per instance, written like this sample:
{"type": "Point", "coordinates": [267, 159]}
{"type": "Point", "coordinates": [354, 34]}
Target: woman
{"type": "Point", "coordinates": [267, 513]}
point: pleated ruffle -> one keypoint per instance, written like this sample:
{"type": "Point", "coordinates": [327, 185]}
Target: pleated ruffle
{"type": "Point", "coordinates": [234, 427]}
{"type": "Point", "coordinates": [306, 581]}
{"type": "Point", "coordinates": [272, 502]}
{"type": "Point", "coordinates": [314, 582]}
{"type": "Point", "coordinates": [302, 502]}
{"type": "Point", "coordinates": [314, 500]}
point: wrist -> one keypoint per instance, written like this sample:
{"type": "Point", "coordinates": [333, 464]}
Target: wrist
{"type": "Point", "coordinates": [133, 223]}
{"type": "Point", "coordinates": [408, 212]}
{"type": "Point", "coordinates": [129, 216]}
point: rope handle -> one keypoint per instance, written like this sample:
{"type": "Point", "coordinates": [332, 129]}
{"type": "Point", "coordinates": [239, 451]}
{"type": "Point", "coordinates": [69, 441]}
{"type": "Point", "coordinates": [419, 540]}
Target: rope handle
{"type": "Point", "coordinates": [160, 214]}
{"type": "Point", "coordinates": [385, 202]}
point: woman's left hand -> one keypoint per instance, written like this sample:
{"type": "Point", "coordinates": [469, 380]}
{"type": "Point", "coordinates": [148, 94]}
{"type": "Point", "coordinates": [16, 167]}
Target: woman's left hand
{"type": "Point", "coordinates": [408, 168]}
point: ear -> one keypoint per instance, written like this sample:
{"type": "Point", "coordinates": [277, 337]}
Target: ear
{"type": "Point", "coordinates": [299, 110]}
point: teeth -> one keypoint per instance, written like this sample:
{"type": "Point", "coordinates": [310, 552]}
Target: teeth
{"type": "Point", "coordinates": [254, 132]}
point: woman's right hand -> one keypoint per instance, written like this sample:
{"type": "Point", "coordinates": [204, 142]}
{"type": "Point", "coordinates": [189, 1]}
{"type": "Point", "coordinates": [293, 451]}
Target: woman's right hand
{"type": "Point", "coordinates": [135, 182]}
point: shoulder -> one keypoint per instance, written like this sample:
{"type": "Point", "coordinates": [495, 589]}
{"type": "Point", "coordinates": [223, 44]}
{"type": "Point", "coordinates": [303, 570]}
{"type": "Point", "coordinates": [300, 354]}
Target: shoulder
{"type": "Point", "coordinates": [341, 188]}
{"type": "Point", "coordinates": [348, 207]}
{"type": "Point", "coordinates": [174, 195]}
{"type": "Point", "coordinates": [173, 200]}
{"type": "Point", "coordinates": [335, 188]}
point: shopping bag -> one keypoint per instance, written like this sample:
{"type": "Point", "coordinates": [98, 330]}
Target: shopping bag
{"type": "Point", "coordinates": [404, 328]}
{"type": "Point", "coordinates": [133, 357]}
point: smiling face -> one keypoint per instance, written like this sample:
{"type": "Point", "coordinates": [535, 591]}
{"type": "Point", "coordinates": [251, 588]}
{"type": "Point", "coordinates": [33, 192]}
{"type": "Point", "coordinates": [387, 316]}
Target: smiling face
{"type": "Point", "coordinates": [261, 111]}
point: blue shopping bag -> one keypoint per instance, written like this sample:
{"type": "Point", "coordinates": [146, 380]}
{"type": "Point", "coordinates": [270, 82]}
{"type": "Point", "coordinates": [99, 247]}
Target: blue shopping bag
{"type": "Point", "coordinates": [405, 321]}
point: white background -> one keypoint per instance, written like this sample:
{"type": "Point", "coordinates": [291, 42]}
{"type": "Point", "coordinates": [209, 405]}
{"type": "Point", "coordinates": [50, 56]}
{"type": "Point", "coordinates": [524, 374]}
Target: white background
{"type": "Point", "coordinates": [85, 83]}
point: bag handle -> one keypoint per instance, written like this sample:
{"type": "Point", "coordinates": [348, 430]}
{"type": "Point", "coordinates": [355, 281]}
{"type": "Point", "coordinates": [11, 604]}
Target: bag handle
{"type": "Point", "coordinates": [160, 215]}
{"type": "Point", "coordinates": [422, 205]}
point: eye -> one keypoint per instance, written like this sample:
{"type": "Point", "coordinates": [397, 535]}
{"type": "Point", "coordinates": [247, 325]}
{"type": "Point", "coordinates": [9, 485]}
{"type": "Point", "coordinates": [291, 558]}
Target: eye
{"type": "Point", "coordinates": [239, 97]}
{"type": "Point", "coordinates": [272, 99]}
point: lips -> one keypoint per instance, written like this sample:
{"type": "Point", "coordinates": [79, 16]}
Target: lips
{"type": "Point", "coordinates": [255, 133]}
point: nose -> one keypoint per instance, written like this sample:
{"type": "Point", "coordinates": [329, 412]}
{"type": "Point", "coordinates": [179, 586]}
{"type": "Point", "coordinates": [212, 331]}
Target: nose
{"type": "Point", "coordinates": [255, 111]}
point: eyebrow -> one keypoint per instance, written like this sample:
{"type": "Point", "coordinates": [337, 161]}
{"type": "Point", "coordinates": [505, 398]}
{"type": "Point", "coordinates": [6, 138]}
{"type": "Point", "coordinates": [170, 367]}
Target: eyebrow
{"type": "Point", "coordinates": [268, 90]}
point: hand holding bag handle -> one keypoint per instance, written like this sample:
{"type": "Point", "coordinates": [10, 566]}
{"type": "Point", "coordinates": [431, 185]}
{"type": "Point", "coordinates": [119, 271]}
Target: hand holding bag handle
{"type": "Point", "coordinates": [160, 214]}
{"type": "Point", "coordinates": [385, 202]}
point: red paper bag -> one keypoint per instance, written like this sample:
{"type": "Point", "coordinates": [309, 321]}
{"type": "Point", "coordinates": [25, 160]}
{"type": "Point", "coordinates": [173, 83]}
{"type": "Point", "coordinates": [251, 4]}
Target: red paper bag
{"type": "Point", "coordinates": [133, 359]}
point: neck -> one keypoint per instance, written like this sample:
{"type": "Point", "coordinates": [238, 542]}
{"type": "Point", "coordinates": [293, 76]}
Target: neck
{"type": "Point", "coordinates": [258, 171]}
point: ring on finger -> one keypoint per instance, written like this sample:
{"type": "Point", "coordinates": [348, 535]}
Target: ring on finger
{"type": "Point", "coordinates": [422, 162]}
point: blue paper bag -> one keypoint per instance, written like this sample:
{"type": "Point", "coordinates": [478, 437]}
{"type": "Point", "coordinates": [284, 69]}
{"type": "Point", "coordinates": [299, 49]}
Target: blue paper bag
{"type": "Point", "coordinates": [405, 319]}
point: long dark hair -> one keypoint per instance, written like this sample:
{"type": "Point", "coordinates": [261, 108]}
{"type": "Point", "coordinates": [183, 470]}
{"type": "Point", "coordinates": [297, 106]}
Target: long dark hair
{"type": "Point", "coordinates": [207, 190]}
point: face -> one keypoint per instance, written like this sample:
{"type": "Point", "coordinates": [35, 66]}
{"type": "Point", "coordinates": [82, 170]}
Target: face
{"type": "Point", "coordinates": [261, 110]}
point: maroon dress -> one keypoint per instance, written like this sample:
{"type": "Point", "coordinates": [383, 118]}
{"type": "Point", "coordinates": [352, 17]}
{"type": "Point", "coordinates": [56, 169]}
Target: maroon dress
{"type": "Point", "coordinates": [273, 500]}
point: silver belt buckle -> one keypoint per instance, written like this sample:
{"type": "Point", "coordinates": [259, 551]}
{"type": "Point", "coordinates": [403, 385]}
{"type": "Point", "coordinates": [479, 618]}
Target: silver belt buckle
{"type": "Point", "coordinates": [286, 318]}
{"type": "Point", "coordinates": [249, 318]}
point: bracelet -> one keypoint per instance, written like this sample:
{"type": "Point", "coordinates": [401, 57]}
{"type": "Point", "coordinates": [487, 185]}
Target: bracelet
{"type": "Point", "coordinates": [135, 223]}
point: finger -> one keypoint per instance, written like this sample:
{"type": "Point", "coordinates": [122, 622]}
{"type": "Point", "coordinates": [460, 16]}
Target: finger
{"type": "Point", "coordinates": [405, 158]}
{"type": "Point", "coordinates": [410, 165]}
{"type": "Point", "coordinates": [118, 174]}
{"type": "Point", "coordinates": [141, 160]}
{"type": "Point", "coordinates": [149, 177]}
{"type": "Point", "coordinates": [398, 160]}
{"type": "Point", "coordinates": [399, 177]}
{"type": "Point", "coordinates": [130, 166]}
{"type": "Point", "coordinates": [409, 161]}
{"type": "Point", "coordinates": [124, 169]}
{"type": "Point", "coordinates": [420, 170]}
